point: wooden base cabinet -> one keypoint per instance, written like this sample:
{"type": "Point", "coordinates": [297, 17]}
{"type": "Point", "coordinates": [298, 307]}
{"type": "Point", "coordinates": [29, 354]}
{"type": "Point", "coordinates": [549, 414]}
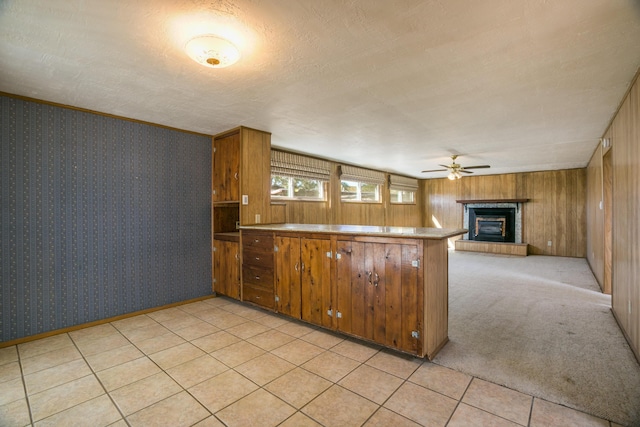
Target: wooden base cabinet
{"type": "Point", "coordinates": [378, 294]}
{"type": "Point", "coordinates": [391, 290]}
{"type": "Point", "coordinates": [226, 267]}
{"type": "Point", "coordinates": [303, 278]}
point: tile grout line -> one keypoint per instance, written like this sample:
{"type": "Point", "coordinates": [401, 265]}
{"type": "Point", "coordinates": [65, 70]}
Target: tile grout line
{"type": "Point", "coordinates": [94, 373]}
{"type": "Point", "coordinates": [24, 386]}
{"type": "Point", "coordinates": [161, 370]}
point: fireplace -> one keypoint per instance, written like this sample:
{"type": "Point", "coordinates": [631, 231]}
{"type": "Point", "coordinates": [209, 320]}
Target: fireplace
{"type": "Point", "coordinates": [493, 220]}
{"type": "Point", "coordinates": [492, 224]}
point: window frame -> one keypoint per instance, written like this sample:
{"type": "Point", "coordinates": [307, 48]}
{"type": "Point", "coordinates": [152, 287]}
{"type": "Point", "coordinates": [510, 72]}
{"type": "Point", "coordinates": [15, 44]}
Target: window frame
{"type": "Point", "coordinates": [401, 202]}
{"type": "Point", "coordinates": [359, 185]}
{"type": "Point", "coordinates": [322, 186]}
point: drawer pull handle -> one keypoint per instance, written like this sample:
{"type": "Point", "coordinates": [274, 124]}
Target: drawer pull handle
{"type": "Point", "coordinates": [235, 175]}
{"type": "Point", "coordinates": [257, 258]}
{"type": "Point", "coordinates": [257, 277]}
{"type": "Point", "coordinates": [296, 266]}
{"type": "Point", "coordinates": [256, 240]}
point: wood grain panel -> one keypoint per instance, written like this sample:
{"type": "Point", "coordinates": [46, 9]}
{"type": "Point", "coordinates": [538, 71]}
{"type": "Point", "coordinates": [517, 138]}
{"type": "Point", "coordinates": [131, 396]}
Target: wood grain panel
{"type": "Point", "coordinates": [517, 249]}
{"type": "Point", "coordinates": [298, 212]}
{"type": "Point", "coordinates": [316, 280]}
{"type": "Point", "coordinates": [404, 215]}
{"type": "Point", "coordinates": [410, 294]}
{"type": "Point", "coordinates": [287, 284]}
{"type": "Point", "coordinates": [393, 303]}
{"type": "Point", "coordinates": [361, 214]}
{"type": "Point", "coordinates": [254, 173]}
{"type": "Point", "coordinates": [625, 143]}
{"type": "Point", "coordinates": [555, 212]}
{"type": "Point", "coordinates": [436, 296]}
{"type": "Point", "coordinates": [487, 187]}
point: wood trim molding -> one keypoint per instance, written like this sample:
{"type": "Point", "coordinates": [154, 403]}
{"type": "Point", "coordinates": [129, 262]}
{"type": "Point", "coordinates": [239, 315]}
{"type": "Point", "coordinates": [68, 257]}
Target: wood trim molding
{"type": "Point", "coordinates": [99, 322]}
{"type": "Point", "coordinates": [464, 201]}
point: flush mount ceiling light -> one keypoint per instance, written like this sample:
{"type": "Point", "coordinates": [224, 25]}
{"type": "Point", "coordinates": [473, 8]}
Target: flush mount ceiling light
{"type": "Point", "coordinates": [212, 51]}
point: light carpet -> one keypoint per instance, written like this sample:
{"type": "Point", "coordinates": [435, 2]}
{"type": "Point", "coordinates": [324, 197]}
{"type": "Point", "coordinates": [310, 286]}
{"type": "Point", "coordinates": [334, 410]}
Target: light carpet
{"type": "Point", "coordinates": [540, 325]}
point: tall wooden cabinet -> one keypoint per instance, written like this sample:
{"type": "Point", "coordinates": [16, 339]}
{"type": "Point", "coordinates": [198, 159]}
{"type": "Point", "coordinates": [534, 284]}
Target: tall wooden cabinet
{"type": "Point", "coordinates": [240, 195]}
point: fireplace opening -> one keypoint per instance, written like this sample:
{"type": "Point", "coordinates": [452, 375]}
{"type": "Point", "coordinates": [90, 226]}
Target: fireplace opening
{"type": "Point", "coordinates": [492, 224]}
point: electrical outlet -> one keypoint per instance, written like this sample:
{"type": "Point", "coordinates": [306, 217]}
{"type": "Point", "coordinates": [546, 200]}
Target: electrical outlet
{"type": "Point", "coordinates": [257, 218]}
{"type": "Point", "coordinates": [549, 243]}
{"type": "Point", "coordinates": [245, 199]}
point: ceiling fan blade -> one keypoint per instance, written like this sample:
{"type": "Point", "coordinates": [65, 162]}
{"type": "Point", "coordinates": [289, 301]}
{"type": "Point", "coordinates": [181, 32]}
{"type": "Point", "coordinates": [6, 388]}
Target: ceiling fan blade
{"type": "Point", "coordinates": [477, 167]}
{"type": "Point", "coordinates": [435, 170]}
{"type": "Point", "coordinates": [464, 171]}
{"type": "Point", "coordinates": [446, 166]}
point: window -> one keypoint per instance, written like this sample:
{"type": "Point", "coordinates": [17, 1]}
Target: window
{"type": "Point", "coordinates": [360, 185]}
{"type": "Point", "coordinates": [401, 196]}
{"type": "Point", "coordinates": [287, 187]}
{"type": "Point", "coordinates": [296, 177]}
{"type": "Point", "coordinates": [402, 189]}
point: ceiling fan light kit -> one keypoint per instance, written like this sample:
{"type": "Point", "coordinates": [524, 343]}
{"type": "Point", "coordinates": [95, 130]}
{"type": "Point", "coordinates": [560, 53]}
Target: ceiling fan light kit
{"type": "Point", "coordinates": [455, 169]}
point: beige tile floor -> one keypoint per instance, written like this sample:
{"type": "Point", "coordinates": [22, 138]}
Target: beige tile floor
{"type": "Point", "coordinates": [218, 362]}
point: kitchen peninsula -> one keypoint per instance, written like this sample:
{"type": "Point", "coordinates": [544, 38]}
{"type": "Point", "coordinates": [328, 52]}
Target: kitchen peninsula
{"type": "Point", "coordinates": [387, 285]}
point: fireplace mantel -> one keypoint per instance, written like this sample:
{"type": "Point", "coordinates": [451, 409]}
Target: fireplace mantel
{"type": "Point", "coordinates": [468, 201]}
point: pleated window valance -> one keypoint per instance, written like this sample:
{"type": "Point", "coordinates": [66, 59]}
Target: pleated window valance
{"type": "Point", "coordinates": [353, 173]}
{"type": "Point", "coordinates": [297, 166]}
{"type": "Point", "coordinates": [402, 183]}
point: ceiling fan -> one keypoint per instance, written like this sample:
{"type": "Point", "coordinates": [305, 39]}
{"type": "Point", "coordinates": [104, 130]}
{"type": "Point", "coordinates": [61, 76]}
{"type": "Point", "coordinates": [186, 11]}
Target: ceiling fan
{"type": "Point", "coordinates": [455, 169]}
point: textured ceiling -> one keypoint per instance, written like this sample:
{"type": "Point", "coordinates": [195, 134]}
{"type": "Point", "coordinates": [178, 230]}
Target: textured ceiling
{"type": "Point", "coordinates": [398, 86]}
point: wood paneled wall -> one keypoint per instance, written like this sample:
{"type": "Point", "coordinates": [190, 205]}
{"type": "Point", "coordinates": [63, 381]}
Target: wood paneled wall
{"type": "Point", "coordinates": [555, 211]}
{"type": "Point", "coordinates": [625, 163]}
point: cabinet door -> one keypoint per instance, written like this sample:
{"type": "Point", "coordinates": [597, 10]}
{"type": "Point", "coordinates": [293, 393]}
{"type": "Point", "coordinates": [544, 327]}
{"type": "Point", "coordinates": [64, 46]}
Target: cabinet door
{"type": "Point", "coordinates": [226, 267]}
{"type": "Point", "coordinates": [288, 288]}
{"type": "Point", "coordinates": [377, 292]}
{"type": "Point", "coordinates": [226, 169]}
{"type": "Point", "coordinates": [350, 279]}
{"type": "Point", "coordinates": [315, 262]}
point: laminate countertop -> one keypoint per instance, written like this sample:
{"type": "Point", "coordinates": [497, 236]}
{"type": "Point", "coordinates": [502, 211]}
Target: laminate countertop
{"type": "Point", "coordinates": [359, 230]}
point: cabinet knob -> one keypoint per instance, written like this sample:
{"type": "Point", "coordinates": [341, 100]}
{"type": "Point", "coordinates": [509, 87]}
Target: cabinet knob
{"type": "Point", "coordinates": [236, 176]}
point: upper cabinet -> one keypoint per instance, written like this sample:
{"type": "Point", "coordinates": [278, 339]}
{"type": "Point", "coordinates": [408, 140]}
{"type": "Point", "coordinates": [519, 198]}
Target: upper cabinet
{"type": "Point", "coordinates": [225, 185]}
{"type": "Point", "coordinates": [241, 173]}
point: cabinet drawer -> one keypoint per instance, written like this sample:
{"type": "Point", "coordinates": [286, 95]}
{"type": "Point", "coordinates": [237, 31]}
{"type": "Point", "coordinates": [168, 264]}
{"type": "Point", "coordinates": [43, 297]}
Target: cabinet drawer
{"type": "Point", "coordinates": [258, 276]}
{"type": "Point", "coordinates": [258, 296]}
{"type": "Point", "coordinates": [258, 257]}
{"type": "Point", "coordinates": [257, 240]}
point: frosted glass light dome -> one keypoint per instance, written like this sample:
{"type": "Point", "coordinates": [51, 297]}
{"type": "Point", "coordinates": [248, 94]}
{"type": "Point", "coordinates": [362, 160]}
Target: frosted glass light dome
{"type": "Point", "coordinates": [212, 51]}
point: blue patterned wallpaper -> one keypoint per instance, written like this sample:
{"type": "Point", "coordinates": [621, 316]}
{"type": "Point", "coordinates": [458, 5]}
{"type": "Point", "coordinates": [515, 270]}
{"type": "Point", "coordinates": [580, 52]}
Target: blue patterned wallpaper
{"type": "Point", "coordinates": [100, 217]}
